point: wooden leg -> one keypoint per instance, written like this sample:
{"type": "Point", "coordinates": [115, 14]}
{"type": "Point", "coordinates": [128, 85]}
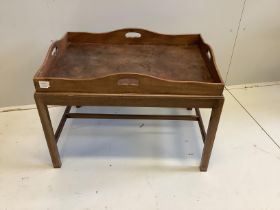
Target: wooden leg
{"type": "Point", "coordinates": [48, 131]}
{"type": "Point", "coordinates": [211, 133]}
{"type": "Point", "coordinates": [62, 123]}
{"type": "Point", "coordinates": [200, 123]}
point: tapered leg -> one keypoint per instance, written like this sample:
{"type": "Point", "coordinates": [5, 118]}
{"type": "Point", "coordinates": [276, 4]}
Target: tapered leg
{"type": "Point", "coordinates": [211, 133]}
{"type": "Point", "coordinates": [48, 131]}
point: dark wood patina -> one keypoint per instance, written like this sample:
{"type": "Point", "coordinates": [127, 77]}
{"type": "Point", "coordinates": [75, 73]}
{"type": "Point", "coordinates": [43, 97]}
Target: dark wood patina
{"type": "Point", "coordinates": [115, 69]}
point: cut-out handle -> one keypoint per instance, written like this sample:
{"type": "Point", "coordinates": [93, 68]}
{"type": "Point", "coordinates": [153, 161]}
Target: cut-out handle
{"type": "Point", "coordinates": [132, 35]}
{"type": "Point", "coordinates": [209, 55]}
{"type": "Point", "coordinates": [54, 51]}
{"type": "Point", "coordinates": [128, 82]}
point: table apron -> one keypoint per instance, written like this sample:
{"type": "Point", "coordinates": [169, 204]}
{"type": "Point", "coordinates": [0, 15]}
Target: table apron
{"type": "Point", "coordinates": [133, 100]}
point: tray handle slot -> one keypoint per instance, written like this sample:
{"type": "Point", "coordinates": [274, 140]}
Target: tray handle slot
{"type": "Point", "coordinates": [133, 35]}
{"type": "Point", "coordinates": [128, 82]}
{"type": "Point", "coordinates": [209, 55]}
{"type": "Point", "coordinates": [208, 52]}
{"type": "Point", "coordinates": [54, 51]}
{"type": "Point", "coordinates": [51, 56]}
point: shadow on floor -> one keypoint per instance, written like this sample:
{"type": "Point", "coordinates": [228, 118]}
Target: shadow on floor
{"type": "Point", "coordinates": [131, 138]}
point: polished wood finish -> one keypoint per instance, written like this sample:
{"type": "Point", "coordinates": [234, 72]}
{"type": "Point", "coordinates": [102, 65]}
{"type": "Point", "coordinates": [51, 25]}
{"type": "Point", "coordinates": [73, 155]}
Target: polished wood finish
{"type": "Point", "coordinates": [119, 68]}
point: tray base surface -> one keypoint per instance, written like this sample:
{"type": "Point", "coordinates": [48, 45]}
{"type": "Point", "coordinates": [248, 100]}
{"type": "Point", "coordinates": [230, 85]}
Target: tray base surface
{"type": "Point", "coordinates": [171, 62]}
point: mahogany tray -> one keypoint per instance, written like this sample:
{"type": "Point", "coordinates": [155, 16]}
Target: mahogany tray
{"type": "Point", "coordinates": [130, 61]}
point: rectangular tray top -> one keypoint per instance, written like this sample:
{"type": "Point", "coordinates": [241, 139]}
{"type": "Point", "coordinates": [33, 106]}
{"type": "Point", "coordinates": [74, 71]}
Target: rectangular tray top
{"type": "Point", "coordinates": [130, 61]}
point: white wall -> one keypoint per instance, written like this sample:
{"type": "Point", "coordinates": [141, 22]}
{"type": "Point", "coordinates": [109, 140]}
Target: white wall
{"type": "Point", "coordinates": [256, 56]}
{"type": "Point", "coordinates": [28, 27]}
